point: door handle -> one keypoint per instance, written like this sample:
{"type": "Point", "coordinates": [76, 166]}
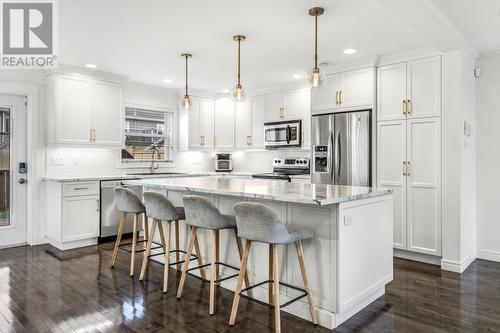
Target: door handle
{"type": "Point", "coordinates": [330, 157]}
{"type": "Point", "coordinates": [288, 134]}
{"type": "Point", "coordinates": [404, 168]}
{"type": "Point", "coordinates": [338, 156]}
{"type": "Point", "coordinates": [336, 98]}
{"type": "Point", "coordinates": [404, 106]}
{"type": "Point", "coordinates": [408, 166]}
{"type": "Point", "coordinates": [408, 106]}
{"type": "Point", "coordinates": [340, 97]}
{"type": "Point", "coordinates": [23, 180]}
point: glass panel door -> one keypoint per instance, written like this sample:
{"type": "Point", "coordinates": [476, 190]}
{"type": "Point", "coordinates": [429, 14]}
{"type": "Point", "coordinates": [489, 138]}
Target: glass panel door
{"type": "Point", "coordinates": [4, 167]}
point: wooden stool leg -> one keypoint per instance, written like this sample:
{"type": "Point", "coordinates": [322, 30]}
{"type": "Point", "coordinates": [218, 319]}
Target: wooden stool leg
{"type": "Point", "coordinates": [243, 270]}
{"type": "Point", "coordinates": [123, 218]}
{"type": "Point", "coordinates": [276, 278]}
{"type": "Point", "coordinates": [166, 265]}
{"type": "Point", "coordinates": [271, 268]}
{"type": "Point", "coordinates": [217, 256]}
{"type": "Point", "coordinates": [148, 251]}
{"type": "Point", "coordinates": [162, 236]}
{"type": "Point", "coordinates": [146, 226]}
{"type": "Point", "coordinates": [300, 254]}
{"type": "Point", "coordinates": [177, 254]}
{"type": "Point", "coordinates": [240, 252]}
{"type": "Point", "coordinates": [186, 262]}
{"type": "Point", "coordinates": [198, 255]}
{"type": "Point", "coordinates": [213, 273]}
{"type": "Point", "coordinates": [134, 241]}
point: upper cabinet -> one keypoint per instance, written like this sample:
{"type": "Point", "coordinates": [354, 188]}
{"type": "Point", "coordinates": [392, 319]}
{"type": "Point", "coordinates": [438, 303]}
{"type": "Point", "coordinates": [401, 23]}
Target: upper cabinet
{"type": "Point", "coordinates": [345, 91]}
{"type": "Point", "coordinates": [224, 124]}
{"type": "Point", "coordinates": [198, 123]}
{"type": "Point", "coordinates": [243, 124]}
{"type": "Point", "coordinates": [292, 104]}
{"type": "Point", "coordinates": [84, 111]}
{"type": "Point", "coordinates": [409, 90]}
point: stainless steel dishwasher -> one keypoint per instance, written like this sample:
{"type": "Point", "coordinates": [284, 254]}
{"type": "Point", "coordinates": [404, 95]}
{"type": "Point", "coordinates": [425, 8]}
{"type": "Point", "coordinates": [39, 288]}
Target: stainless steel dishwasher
{"type": "Point", "coordinates": [110, 216]}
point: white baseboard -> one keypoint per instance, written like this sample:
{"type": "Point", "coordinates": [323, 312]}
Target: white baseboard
{"type": "Point", "coordinates": [488, 255]}
{"type": "Point", "coordinates": [420, 257]}
{"type": "Point", "coordinates": [457, 266]}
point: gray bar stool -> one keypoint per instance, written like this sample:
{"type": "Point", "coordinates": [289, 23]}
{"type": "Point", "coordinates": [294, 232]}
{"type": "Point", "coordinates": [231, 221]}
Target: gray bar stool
{"type": "Point", "coordinates": [259, 223]}
{"type": "Point", "coordinates": [160, 209]}
{"type": "Point", "coordinates": [127, 202]}
{"type": "Point", "coordinates": [201, 213]}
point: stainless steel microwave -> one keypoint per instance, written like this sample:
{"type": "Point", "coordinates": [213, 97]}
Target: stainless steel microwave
{"type": "Point", "coordinates": [283, 134]}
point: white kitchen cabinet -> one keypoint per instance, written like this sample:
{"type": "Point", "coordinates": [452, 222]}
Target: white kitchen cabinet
{"type": "Point", "coordinates": [198, 121]}
{"type": "Point", "coordinates": [107, 113]}
{"type": "Point", "coordinates": [224, 124]}
{"type": "Point", "coordinates": [292, 104]}
{"type": "Point", "coordinates": [391, 91]}
{"type": "Point", "coordinates": [409, 90]}
{"type": "Point", "coordinates": [391, 154]}
{"type": "Point", "coordinates": [423, 185]}
{"type": "Point", "coordinates": [274, 107]}
{"type": "Point", "coordinates": [73, 213]}
{"type": "Point", "coordinates": [84, 111]}
{"type": "Point", "coordinates": [409, 163]}
{"type": "Point", "coordinates": [349, 90]}
{"type": "Point", "coordinates": [258, 108]}
{"type": "Point", "coordinates": [244, 124]}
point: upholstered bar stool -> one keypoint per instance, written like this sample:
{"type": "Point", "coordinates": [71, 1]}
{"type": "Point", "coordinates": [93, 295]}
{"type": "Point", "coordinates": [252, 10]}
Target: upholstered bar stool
{"type": "Point", "coordinates": [127, 202]}
{"type": "Point", "coordinates": [259, 223]}
{"type": "Point", "coordinates": [201, 213]}
{"type": "Point", "coordinates": [160, 209]}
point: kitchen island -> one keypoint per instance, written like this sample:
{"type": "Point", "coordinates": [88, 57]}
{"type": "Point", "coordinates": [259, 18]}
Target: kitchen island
{"type": "Point", "coordinates": [349, 259]}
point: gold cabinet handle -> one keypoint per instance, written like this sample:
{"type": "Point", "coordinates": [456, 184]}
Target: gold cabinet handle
{"type": "Point", "coordinates": [90, 134]}
{"type": "Point", "coordinates": [200, 140]}
{"type": "Point", "coordinates": [408, 168]}
{"type": "Point", "coordinates": [93, 132]}
{"type": "Point", "coordinates": [408, 106]}
{"type": "Point", "coordinates": [404, 106]}
{"type": "Point", "coordinates": [249, 140]}
{"type": "Point", "coordinates": [336, 98]}
{"type": "Point", "coordinates": [203, 138]}
{"type": "Point", "coordinates": [340, 97]}
{"type": "Point", "coordinates": [404, 168]}
{"type": "Point", "coordinates": [283, 112]}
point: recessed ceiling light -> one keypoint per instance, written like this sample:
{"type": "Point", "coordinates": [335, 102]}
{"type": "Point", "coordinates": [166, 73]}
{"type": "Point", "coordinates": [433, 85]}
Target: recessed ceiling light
{"type": "Point", "coordinates": [91, 65]}
{"type": "Point", "coordinates": [297, 76]}
{"type": "Point", "coordinates": [167, 81]}
{"type": "Point", "coordinates": [349, 51]}
{"type": "Point", "coordinates": [224, 91]}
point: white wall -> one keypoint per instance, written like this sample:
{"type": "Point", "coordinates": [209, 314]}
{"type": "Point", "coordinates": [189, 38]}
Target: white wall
{"type": "Point", "coordinates": [458, 167]}
{"type": "Point", "coordinates": [488, 158]}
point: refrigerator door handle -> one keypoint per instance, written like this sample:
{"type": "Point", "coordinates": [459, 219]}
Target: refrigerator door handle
{"type": "Point", "coordinates": [330, 156]}
{"type": "Point", "coordinates": [337, 156]}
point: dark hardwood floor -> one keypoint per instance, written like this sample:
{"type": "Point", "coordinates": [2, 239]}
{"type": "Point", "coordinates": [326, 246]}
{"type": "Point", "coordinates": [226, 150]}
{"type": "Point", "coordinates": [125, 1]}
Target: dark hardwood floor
{"type": "Point", "coordinates": [42, 290]}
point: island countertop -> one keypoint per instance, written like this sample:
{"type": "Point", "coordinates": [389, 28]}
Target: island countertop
{"type": "Point", "coordinates": [315, 194]}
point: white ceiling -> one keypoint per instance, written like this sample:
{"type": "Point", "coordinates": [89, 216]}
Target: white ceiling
{"type": "Point", "coordinates": [144, 39]}
{"type": "Point", "coordinates": [478, 20]}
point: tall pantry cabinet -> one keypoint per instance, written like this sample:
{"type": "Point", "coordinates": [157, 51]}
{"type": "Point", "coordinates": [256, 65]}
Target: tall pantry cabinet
{"type": "Point", "coordinates": [409, 150]}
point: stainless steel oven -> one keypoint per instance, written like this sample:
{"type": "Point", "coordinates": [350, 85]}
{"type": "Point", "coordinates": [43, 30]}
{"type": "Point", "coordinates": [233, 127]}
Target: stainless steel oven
{"type": "Point", "coordinates": [283, 134]}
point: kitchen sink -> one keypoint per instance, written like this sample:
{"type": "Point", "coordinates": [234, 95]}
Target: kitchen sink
{"type": "Point", "coordinates": [156, 173]}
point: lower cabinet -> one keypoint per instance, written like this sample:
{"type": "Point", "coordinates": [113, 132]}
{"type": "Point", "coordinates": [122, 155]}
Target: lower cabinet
{"type": "Point", "coordinates": [73, 214]}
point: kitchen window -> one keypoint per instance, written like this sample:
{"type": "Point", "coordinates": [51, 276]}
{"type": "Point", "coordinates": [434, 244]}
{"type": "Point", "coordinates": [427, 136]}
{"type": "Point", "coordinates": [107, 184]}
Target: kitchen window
{"type": "Point", "coordinates": [149, 133]}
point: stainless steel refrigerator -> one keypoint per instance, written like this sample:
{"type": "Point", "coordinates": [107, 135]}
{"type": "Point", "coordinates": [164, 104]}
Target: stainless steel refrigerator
{"type": "Point", "coordinates": [341, 148]}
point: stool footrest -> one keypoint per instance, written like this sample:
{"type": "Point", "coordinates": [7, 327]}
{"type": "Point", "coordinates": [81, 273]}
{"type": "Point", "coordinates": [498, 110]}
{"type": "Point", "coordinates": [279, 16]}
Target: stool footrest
{"type": "Point", "coordinates": [193, 256]}
{"type": "Point", "coordinates": [304, 294]}
{"type": "Point", "coordinates": [218, 280]}
{"type": "Point", "coordinates": [123, 246]}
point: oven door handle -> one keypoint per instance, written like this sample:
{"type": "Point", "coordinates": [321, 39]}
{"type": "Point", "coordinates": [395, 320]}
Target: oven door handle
{"type": "Point", "coordinates": [288, 134]}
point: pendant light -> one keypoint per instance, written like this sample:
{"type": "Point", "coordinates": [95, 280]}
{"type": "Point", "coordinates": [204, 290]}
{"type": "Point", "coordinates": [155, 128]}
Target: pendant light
{"type": "Point", "coordinates": [186, 100]}
{"type": "Point", "coordinates": [238, 93]}
{"type": "Point", "coordinates": [317, 78]}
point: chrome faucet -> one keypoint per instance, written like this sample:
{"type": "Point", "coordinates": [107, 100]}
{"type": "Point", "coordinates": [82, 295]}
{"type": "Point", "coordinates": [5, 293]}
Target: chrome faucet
{"type": "Point", "coordinates": [153, 167]}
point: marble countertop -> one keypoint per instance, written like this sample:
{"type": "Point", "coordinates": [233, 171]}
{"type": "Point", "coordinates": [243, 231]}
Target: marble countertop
{"type": "Point", "coordinates": [305, 193]}
{"type": "Point", "coordinates": [132, 176]}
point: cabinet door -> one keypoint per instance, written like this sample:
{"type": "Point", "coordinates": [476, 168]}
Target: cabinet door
{"type": "Point", "coordinates": [391, 91]}
{"type": "Point", "coordinates": [224, 124]}
{"type": "Point", "coordinates": [258, 108]}
{"type": "Point", "coordinates": [207, 122]}
{"type": "Point", "coordinates": [107, 115]}
{"type": "Point", "coordinates": [274, 106]}
{"type": "Point", "coordinates": [424, 87]}
{"type": "Point", "coordinates": [325, 97]}
{"type": "Point", "coordinates": [357, 88]}
{"type": "Point", "coordinates": [194, 116]}
{"type": "Point", "coordinates": [80, 217]}
{"type": "Point", "coordinates": [244, 124]}
{"type": "Point", "coordinates": [74, 110]}
{"type": "Point", "coordinates": [296, 104]}
{"type": "Point", "coordinates": [424, 185]}
{"type": "Point", "coordinates": [391, 153]}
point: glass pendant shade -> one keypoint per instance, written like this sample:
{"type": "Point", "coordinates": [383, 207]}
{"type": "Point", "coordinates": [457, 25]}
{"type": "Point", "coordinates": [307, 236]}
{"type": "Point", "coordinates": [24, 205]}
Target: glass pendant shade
{"type": "Point", "coordinates": [238, 93]}
{"type": "Point", "coordinates": [316, 79]}
{"type": "Point", "coordinates": [186, 102]}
